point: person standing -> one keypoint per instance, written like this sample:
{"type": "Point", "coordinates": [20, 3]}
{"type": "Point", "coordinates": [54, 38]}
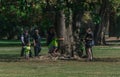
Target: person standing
{"type": "Point", "coordinates": [88, 43]}
{"type": "Point", "coordinates": [37, 43]}
{"type": "Point", "coordinates": [25, 39]}
{"type": "Point", "coordinates": [50, 35]}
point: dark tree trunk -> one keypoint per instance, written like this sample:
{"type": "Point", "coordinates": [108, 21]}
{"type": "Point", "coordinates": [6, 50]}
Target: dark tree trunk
{"type": "Point", "coordinates": [61, 30]}
{"type": "Point", "coordinates": [101, 28]}
{"type": "Point", "coordinates": [64, 33]}
{"type": "Point", "coordinates": [113, 26]}
{"type": "Point", "coordinates": [76, 26]}
{"type": "Point", "coordinates": [69, 34]}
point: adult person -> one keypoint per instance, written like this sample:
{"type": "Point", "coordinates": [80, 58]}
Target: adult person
{"type": "Point", "coordinates": [37, 43]}
{"type": "Point", "coordinates": [88, 44]}
{"type": "Point", "coordinates": [25, 39]}
{"type": "Point", "coordinates": [50, 35]}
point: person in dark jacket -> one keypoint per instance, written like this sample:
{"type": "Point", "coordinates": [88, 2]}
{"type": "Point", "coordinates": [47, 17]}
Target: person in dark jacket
{"type": "Point", "coordinates": [25, 39]}
{"type": "Point", "coordinates": [50, 35]}
{"type": "Point", "coordinates": [89, 43]}
{"type": "Point", "coordinates": [37, 43]}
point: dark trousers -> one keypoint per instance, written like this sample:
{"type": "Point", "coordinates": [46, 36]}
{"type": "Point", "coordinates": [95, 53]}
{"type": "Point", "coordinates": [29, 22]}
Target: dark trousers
{"type": "Point", "coordinates": [23, 52]}
{"type": "Point", "coordinates": [37, 50]}
{"type": "Point", "coordinates": [87, 51]}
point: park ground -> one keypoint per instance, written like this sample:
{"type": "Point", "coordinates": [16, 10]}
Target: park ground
{"type": "Point", "coordinates": [106, 64]}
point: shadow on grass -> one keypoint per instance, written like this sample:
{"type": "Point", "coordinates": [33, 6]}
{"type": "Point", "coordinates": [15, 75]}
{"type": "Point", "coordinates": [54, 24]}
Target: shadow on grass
{"type": "Point", "coordinates": [94, 60]}
{"type": "Point", "coordinates": [9, 58]}
{"type": "Point", "coordinates": [117, 59]}
{"type": "Point", "coordinates": [17, 58]}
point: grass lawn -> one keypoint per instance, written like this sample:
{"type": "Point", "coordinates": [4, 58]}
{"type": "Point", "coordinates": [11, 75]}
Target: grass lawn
{"type": "Point", "coordinates": [106, 64]}
{"type": "Point", "coordinates": [9, 43]}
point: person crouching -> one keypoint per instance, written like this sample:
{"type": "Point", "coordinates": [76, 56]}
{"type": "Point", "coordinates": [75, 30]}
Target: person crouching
{"type": "Point", "coordinates": [53, 47]}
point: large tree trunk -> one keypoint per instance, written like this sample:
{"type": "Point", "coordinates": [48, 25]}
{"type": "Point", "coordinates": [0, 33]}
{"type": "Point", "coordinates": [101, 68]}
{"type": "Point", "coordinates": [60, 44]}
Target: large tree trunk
{"type": "Point", "coordinates": [113, 26]}
{"type": "Point", "coordinates": [61, 31]}
{"type": "Point", "coordinates": [76, 26]}
{"type": "Point", "coordinates": [101, 28]}
{"type": "Point", "coordinates": [69, 34]}
{"type": "Point", "coordinates": [64, 33]}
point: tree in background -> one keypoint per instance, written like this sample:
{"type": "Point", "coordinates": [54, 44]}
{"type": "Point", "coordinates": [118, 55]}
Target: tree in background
{"type": "Point", "coordinates": [69, 17]}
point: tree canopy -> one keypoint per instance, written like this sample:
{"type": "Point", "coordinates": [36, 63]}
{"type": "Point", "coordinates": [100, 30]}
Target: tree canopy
{"type": "Point", "coordinates": [18, 14]}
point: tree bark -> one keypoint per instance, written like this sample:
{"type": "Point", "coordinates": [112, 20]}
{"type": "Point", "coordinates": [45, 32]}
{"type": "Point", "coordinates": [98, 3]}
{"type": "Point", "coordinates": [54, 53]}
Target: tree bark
{"type": "Point", "coordinates": [101, 28]}
{"type": "Point", "coordinates": [69, 34]}
{"type": "Point", "coordinates": [76, 26]}
{"type": "Point", "coordinates": [61, 31]}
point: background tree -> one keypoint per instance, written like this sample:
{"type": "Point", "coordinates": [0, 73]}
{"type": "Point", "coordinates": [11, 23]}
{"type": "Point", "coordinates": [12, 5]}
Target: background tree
{"type": "Point", "coordinates": [69, 17]}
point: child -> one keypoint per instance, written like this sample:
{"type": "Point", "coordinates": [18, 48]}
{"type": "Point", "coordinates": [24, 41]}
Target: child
{"type": "Point", "coordinates": [53, 46]}
{"type": "Point", "coordinates": [27, 51]}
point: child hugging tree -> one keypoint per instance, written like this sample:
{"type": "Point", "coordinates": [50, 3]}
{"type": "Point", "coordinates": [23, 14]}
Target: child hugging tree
{"type": "Point", "coordinates": [53, 46]}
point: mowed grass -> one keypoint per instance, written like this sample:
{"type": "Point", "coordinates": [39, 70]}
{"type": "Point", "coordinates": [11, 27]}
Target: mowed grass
{"type": "Point", "coordinates": [106, 64]}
